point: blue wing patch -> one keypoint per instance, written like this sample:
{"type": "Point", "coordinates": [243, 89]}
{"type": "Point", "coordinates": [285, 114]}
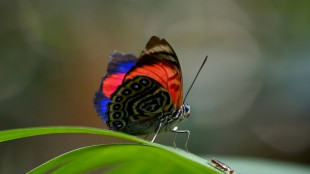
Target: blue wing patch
{"type": "Point", "coordinates": [101, 103]}
{"type": "Point", "coordinates": [120, 63]}
{"type": "Point", "coordinates": [125, 67]}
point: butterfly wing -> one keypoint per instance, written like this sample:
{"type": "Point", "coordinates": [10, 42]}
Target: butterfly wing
{"type": "Point", "coordinates": [151, 88]}
{"type": "Point", "coordinates": [159, 62]}
{"type": "Point", "coordinates": [118, 66]}
{"type": "Point", "coordinates": [136, 103]}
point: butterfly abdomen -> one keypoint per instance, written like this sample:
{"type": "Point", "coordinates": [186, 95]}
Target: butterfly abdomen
{"type": "Point", "coordinates": [136, 102]}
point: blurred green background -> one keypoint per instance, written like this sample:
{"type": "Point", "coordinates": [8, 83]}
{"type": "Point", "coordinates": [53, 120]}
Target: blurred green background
{"type": "Point", "coordinates": [251, 100]}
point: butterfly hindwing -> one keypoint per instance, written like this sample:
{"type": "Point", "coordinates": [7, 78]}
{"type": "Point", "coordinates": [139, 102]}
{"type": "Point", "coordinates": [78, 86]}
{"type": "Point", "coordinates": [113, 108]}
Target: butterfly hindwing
{"type": "Point", "coordinates": [138, 99]}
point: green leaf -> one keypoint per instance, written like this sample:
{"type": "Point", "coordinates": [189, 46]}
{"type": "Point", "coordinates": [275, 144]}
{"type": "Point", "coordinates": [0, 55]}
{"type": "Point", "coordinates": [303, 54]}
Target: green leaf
{"type": "Point", "coordinates": [29, 132]}
{"type": "Point", "coordinates": [122, 158]}
{"type": "Point", "coordinates": [145, 157]}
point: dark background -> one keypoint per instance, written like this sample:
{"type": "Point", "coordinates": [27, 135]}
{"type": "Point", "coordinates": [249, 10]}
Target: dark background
{"type": "Point", "coordinates": [251, 100]}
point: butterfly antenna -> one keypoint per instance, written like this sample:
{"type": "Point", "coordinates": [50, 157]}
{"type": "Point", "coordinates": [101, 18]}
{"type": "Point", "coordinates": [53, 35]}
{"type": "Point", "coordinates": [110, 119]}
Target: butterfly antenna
{"type": "Point", "coordinates": [195, 78]}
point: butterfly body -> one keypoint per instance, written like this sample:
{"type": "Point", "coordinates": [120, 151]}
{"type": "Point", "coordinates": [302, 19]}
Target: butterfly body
{"type": "Point", "coordinates": [143, 95]}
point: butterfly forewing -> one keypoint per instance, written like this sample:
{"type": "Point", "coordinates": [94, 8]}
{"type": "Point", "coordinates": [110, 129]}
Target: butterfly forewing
{"type": "Point", "coordinates": [159, 61]}
{"type": "Point", "coordinates": [118, 66]}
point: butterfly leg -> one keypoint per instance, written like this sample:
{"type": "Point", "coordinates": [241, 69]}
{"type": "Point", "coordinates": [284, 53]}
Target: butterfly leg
{"type": "Point", "coordinates": [176, 130]}
{"type": "Point", "coordinates": [174, 138]}
{"type": "Point", "coordinates": [159, 127]}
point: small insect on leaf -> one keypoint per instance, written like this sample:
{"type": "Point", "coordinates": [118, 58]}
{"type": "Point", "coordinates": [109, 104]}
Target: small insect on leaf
{"type": "Point", "coordinates": [221, 166]}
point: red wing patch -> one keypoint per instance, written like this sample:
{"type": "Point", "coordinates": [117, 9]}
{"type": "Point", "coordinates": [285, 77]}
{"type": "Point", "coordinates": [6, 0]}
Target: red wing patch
{"type": "Point", "coordinates": [110, 83]}
{"type": "Point", "coordinates": [166, 76]}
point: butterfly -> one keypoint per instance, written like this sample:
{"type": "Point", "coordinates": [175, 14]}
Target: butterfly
{"type": "Point", "coordinates": [142, 96]}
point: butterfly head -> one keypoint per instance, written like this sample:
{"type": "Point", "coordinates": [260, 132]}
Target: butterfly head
{"type": "Point", "coordinates": [187, 110]}
{"type": "Point", "coordinates": [184, 112]}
